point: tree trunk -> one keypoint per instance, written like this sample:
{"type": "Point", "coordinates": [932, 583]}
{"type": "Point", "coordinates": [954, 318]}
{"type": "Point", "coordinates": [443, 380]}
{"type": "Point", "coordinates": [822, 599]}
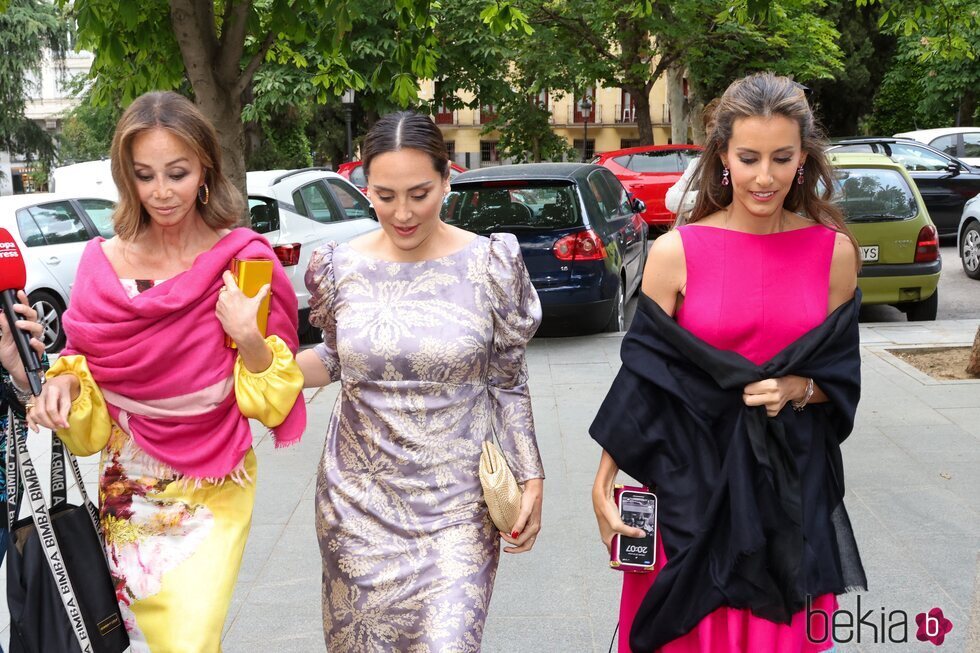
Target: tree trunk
{"type": "Point", "coordinates": [699, 131]}
{"type": "Point", "coordinates": [677, 103]}
{"type": "Point", "coordinates": [973, 367]}
{"type": "Point", "coordinates": [214, 69]}
{"type": "Point", "coordinates": [968, 106]}
{"type": "Point", "coordinates": [644, 119]}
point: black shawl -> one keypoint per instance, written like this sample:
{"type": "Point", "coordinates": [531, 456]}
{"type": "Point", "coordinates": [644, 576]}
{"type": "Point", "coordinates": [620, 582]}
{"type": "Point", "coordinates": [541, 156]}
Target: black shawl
{"type": "Point", "coordinates": [750, 507]}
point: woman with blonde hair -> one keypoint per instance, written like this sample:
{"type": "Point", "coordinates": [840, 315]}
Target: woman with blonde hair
{"type": "Point", "coordinates": [147, 379]}
{"type": "Point", "coordinates": [741, 371]}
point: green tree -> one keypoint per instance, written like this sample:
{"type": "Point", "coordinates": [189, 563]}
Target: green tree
{"type": "Point", "coordinates": [632, 45]}
{"type": "Point", "coordinates": [86, 133]}
{"type": "Point", "coordinates": [220, 47]}
{"type": "Point", "coordinates": [943, 38]}
{"type": "Point", "coordinates": [30, 30]}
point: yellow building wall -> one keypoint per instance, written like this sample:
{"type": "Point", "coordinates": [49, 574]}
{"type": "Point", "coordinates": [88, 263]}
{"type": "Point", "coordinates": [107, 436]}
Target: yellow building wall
{"type": "Point", "coordinates": [606, 125]}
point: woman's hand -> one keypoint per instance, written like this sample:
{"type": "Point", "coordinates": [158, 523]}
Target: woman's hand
{"type": "Point", "coordinates": [237, 312]}
{"type": "Point", "coordinates": [528, 523]}
{"type": "Point", "coordinates": [607, 515]}
{"type": "Point", "coordinates": [774, 393]}
{"type": "Point", "coordinates": [9, 357]}
{"type": "Point", "coordinates": [52, 406]}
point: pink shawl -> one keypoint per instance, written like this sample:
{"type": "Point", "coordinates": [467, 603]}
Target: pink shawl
{"type": "Point", "coordinates": [167, 342]}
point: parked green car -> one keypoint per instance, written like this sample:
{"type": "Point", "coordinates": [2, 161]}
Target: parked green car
{"type": "Point", "coordinates": [899, 242]}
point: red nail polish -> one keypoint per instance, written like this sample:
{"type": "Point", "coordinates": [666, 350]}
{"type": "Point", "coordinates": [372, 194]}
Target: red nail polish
{"type": "Point", "coordinates": [514, 534]}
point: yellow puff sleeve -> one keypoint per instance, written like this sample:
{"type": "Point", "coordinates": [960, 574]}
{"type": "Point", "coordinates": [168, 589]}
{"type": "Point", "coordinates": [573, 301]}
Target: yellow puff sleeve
{"type": "Point", "coordinates": [268, 396]}
{"type": "Point", "coordinates": [89, 423]}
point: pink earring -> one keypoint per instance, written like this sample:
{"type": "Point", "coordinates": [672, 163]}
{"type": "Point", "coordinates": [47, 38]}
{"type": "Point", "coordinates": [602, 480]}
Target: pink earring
{"type": "Point", "coordinates": [799, 176]}
{"type": "Point", "coordinates": [724, 177]}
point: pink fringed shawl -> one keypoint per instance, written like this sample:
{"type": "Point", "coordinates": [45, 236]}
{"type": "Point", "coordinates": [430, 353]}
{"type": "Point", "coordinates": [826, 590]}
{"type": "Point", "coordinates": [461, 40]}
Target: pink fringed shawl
{"type": "Point", "coordinates": [167, 342]}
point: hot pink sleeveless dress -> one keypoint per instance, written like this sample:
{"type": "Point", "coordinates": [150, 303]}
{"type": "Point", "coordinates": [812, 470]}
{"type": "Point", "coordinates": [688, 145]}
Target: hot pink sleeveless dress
{"type": "Point", "coordinates": [753, 294]}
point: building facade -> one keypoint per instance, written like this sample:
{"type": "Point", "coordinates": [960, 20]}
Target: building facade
{"type": "Point", "coordinates": [49, 102]}
{"type": "Point", "coordinates": [611, 125]}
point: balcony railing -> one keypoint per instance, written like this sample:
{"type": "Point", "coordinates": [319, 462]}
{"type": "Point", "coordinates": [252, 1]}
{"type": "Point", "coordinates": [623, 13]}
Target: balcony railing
{"type": "Point", "coordinates": [626, 114]}
{"type": "Point", "coordinates": [574, 117]}
{"type": "Point", "coordinates": [450, 117]}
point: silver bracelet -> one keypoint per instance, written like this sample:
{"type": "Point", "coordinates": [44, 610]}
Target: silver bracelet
{"type": "Point", "coordinates": [23, 396]}
{"type": "Point", "coordinates": [801, 404]}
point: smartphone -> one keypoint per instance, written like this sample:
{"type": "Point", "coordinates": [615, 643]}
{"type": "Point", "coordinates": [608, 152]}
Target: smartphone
{"type": "Point", "coordinates": [637, 508]}
{"type": "Point", "coordinates": [251, 275]}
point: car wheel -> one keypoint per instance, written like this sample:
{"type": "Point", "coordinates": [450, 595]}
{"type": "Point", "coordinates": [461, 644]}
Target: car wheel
{"type": "Point", "coordinates": [617, 321]}
{"type": "Point", "coordinates": [49, 312]}
{"type": "Point", "coordinates": [924, 311]}
{"type": "Point", "coordinates": [970, 250]}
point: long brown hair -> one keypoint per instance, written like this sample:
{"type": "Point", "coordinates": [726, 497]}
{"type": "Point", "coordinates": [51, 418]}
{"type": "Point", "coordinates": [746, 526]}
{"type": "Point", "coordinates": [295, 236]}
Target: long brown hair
{"type": "Point", "coordinates": [178, 115]}
{"type": "Point", "coordinates": [766, 95]}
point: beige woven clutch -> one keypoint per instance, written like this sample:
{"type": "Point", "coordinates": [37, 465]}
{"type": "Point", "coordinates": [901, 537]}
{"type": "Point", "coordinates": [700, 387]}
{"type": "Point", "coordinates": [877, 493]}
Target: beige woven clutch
{"type": "Point", "coordinates": [500, 489]}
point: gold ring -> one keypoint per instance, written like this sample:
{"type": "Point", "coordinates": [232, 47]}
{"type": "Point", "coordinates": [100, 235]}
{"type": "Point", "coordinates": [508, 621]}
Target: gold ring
{"type": "Point", "coordinates": [29, 406]}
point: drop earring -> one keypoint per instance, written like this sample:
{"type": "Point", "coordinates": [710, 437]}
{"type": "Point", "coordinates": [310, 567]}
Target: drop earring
{"type": "Point", "coordinates": [724, 177]}
{"type": "Point", "coordinates": [799, 176]}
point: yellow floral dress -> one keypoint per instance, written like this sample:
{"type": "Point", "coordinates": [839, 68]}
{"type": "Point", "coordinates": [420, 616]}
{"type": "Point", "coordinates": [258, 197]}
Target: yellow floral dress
{"type": "Point", "coordinates": [174, 543]}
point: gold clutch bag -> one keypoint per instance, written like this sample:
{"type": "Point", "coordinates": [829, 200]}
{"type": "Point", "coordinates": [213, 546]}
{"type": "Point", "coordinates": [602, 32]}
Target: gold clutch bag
{"type": "Point", "coordinates": [500, 489]}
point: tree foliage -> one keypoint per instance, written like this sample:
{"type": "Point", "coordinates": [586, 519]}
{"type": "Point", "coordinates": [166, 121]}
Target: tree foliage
{"type": "Point", "coordinates": [29, 31]}
{"type": "Point", "coordinates": [941, 40]}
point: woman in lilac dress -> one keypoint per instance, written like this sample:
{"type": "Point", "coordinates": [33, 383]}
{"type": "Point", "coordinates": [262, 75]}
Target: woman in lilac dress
{"type": "Point", "coordinates": [425, 326]}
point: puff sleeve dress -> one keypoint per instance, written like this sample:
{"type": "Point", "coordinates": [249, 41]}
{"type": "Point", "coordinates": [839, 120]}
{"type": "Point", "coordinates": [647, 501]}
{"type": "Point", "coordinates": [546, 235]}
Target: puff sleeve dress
{"type": "Point", "coordinates": [431, 361]}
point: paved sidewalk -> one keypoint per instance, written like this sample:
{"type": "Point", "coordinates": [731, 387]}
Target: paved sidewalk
{"type": "Point", "coordinates": [913, 495]}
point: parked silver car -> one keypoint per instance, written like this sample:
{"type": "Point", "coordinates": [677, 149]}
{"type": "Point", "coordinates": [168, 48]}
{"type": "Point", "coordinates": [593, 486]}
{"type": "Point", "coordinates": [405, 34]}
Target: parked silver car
{"type": "Point", "coordinates": [968, 238]}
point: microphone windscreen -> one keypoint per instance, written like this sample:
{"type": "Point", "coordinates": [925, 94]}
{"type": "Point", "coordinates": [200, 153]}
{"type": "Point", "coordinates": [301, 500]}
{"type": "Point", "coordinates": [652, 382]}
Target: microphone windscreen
{"type": "Point", "coordinates": [13, 272]}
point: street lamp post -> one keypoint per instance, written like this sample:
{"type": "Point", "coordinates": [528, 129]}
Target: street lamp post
{"type": "Point", "coordinates": [585, 108]}
{"type": "Point", "coordinates": [348, 103]}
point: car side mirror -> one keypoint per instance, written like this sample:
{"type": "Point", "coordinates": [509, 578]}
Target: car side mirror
{"type": "Point", "coordinates": [953, 168]}
{"type": "Point", "coordinates": [639, 206]}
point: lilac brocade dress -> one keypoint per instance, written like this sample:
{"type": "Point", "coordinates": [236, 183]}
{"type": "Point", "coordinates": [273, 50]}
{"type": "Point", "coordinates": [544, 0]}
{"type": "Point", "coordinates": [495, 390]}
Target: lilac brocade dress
{"type": "Point", "coordinates": [431, 361]}
{"type": "Point", "coordinates": [753, 294]}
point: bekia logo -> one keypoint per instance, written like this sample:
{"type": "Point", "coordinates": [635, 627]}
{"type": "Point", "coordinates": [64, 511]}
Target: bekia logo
{"type": "Point", "coordinates": [873, 626]}
{"type": "Point", "coordinates": [933, 626]}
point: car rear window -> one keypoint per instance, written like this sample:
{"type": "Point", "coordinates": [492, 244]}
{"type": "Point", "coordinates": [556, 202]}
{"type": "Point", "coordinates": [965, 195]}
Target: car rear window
{"type": "Point", "coordinates": [667, 161]}
{"type": "Point", "coordinates": [485, 208]}
{"type": "Point", "coordinates": [872, 194]}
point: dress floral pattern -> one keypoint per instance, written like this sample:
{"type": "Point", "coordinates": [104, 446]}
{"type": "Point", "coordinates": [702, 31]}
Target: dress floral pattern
{"type": "Point", "coordinates": [431, 361]}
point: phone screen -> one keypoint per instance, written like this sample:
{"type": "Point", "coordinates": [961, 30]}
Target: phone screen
{"type": "Point", "coordinates": [638, 510]}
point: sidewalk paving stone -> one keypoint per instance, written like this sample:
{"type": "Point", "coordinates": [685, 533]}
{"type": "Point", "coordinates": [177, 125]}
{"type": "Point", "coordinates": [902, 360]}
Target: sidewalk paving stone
{"type": "Point", "coordinates": [913, 493]}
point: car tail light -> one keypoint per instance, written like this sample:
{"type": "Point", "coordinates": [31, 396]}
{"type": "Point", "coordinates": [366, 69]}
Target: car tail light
{"type": "Point", "coordinates": [582, 246]}
{"type": "Point", "coordinates": [287, 254]}
{"type": "Point", "coordinates": [927, 245]}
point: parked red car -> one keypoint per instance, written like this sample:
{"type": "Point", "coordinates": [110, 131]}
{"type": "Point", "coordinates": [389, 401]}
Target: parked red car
{"type": "Point", "coordinates": [647, 172]}
{"type": "Point", "coordinates": [354, 173]}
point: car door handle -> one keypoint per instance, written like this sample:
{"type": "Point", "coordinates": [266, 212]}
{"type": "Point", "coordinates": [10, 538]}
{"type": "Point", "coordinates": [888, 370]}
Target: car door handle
{"type": "Point", "coordinates": [53, 260]}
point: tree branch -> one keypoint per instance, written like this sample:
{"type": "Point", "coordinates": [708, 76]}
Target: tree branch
{"type": "Point", "coordinates": [233, 32]}
{"type": "Point", "coordinates": [193, 25]}
{"type": "Point", "coordinates": [245, 78]}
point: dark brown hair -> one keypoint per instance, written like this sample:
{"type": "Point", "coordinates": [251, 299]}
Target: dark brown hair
{"type": "Point", "coordinates": [766, 95]}
{"type": "Point", "coordinates": [406, 130]}
{"type": "Point", "coordinates": [177, 115]}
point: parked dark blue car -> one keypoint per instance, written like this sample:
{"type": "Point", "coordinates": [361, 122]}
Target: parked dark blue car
{"type": "Point", "coordinates": [581, 235]}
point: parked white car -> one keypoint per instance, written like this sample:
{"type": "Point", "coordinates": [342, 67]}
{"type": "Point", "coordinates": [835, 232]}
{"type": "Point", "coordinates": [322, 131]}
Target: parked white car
{"type": "Point", "coordinates": [51, 230]}
{"type": "Point", "coordinates": [968, 238]}
{"type": "Point", "coordinates": [961, 142]}
{"type": "Point", "coordinates": [299, 210]}
{"type": "Point", "coordinates": [86, 179]}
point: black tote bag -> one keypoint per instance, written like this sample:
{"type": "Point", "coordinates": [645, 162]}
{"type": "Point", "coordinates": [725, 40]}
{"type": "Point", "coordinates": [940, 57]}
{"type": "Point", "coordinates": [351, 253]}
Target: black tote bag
{"type": "Point", "coordinates": [59, 591]}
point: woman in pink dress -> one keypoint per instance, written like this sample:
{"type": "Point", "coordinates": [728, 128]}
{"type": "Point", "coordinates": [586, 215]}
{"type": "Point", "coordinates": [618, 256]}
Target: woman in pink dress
{"type": "Point", "coordinates": [764, 267]}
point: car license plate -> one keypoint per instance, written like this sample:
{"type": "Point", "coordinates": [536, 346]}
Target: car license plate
{"type": "Point", "coordinates": [869, 254]}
